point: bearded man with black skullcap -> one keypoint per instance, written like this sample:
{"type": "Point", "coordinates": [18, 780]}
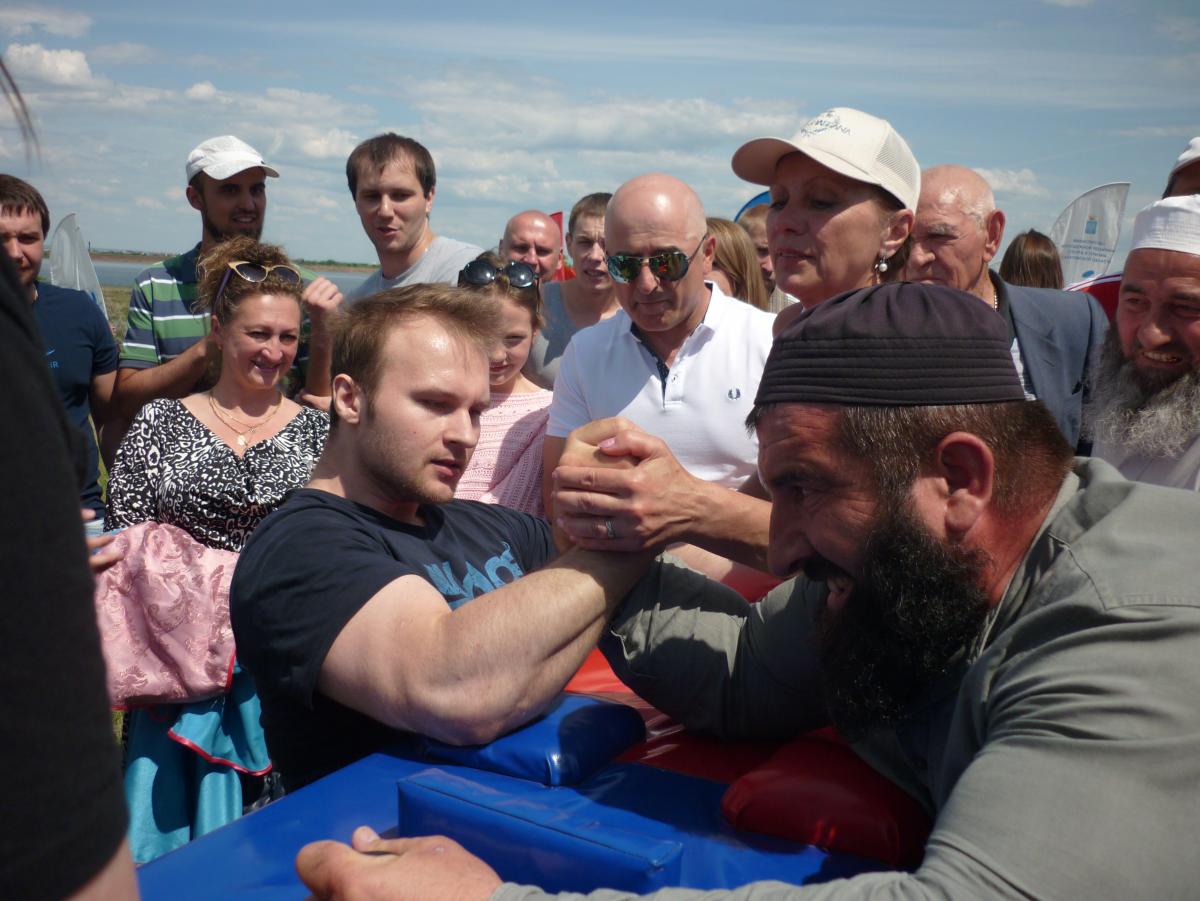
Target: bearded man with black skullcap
{"type": "Point", "coordinates": [1006, 632]}
{"type": "Point", "coordinates": [1145, 409]}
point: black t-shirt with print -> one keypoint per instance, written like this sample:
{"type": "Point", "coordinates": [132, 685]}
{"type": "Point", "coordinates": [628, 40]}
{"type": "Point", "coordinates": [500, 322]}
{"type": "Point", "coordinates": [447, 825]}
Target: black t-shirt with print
{"type": "Point", "coordinates": [312, 564]}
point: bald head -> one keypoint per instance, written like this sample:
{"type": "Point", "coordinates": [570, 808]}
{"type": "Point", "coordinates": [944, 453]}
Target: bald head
{"type": "Point", "coordinates": [533, 237]}
{"type": "Point", "coordinates": [659, 198]}
{"type": "Point", "coordinates": [957, 231]}
{"type": "Point", "coordinates": [958, 185]}
{"type": "Point", "coordinates": [657, 216]}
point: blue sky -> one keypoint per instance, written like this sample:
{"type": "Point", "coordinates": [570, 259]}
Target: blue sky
{"type": "Point", "coordinates": [536, 104]}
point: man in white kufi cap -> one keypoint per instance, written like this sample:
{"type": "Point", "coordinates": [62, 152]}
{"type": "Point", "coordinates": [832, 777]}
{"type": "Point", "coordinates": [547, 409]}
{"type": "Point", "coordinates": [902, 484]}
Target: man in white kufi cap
{"type": "Point", "coordinates": [1145, 410]}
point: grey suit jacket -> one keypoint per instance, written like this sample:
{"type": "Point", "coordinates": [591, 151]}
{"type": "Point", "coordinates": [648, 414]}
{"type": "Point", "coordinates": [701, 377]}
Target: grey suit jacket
{"type": "Point", "coordinates": [1058, 333]}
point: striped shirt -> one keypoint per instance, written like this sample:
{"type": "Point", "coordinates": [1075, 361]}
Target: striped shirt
{"type": "Point", "coordinates": [163, 321]}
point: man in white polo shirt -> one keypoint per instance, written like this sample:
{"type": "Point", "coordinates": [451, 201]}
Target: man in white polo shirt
{"type": "Point", "coordinates": [680, 360]}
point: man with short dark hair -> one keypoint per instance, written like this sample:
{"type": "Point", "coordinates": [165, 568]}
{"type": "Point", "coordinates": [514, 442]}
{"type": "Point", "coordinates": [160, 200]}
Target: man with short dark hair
{"type": "Point", "coordinates": [372, 605]}
{"type": "Point", "coordinates": [957, 232]}
{"type": "Point", "coordinates": [980, 613]}
{"type": "Point", "coordinates": [1145, 410]}
{"type": "Point", "coordinates": [168, 344]}
{"type": "Point", "coordinates": [533, 237]}
{"type": "Point", "coordinates": [393, 181]}
{"type": "Point", "coordinates": [79, 346]}
{"type": "Point", "coordinates": [580, 301]}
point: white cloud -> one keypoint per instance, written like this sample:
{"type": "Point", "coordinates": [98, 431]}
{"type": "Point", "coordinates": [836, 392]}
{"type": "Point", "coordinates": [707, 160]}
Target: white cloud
{"type": "Point", "coordinates": [1185, 67]}
{"type": "Point", "coordinates": [1161, 131]}
{"type": "Point", "coordinates": [201, 90]}
{"type": "Point", "coordinates": [149, 203]}
{"type": "Point", "coordinates": [536, 115]}
{"type": "Point", "coordinates": [58, 67]}
{"type": "Point", "coordinates": [321, 144]}
{"type": "Point", "coordinates": [1021, 182]}
{"type": "Point", "coordinates": [124, 53]}
{"type": "Point", "coordinates": [23, 20]}
{"type": "Point", "coordinates": [1182, 29]}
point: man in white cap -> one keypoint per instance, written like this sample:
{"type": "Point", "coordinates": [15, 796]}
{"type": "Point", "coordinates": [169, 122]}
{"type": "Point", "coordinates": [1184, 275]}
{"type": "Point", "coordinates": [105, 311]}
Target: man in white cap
{"type": "Point", "coordinates": [167, 349]}
{"type": "Point", "coordinates": [1145, 411]}
{"type": "Point", "coordinates": [1183, 180]}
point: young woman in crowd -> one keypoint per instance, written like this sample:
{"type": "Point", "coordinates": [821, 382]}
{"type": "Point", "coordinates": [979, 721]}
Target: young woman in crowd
{"type": "Point", "coordinates": [579, 302]}
{"type": "Point", "coordinates": [735, 263]}
{"type": "Point", "coordinates": [214, 464]}
{"type": "Point", "coordinates": [506, 467]}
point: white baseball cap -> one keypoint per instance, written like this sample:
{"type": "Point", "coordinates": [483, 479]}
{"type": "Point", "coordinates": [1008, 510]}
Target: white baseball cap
{"type": "Point", "coordinates": [848, 141]}
{"type": "Point", "coordinates": [223, 157]}
{"type": "Point", "coordinates": [1172, 223]}
{"type": "Point", "coordinates": [1190, 155]}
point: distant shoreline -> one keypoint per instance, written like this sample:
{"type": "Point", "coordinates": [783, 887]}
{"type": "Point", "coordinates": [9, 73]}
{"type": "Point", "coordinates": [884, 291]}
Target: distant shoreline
{"type": "Point", "coordinates": [125, 256]}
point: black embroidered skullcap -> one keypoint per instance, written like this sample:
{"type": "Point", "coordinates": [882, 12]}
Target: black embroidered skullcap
{"type": "Point", "coordinates": [899, 344]}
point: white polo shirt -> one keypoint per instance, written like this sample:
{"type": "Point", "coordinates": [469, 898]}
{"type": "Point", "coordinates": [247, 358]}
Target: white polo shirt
{"type": "Point", "coordinates": [699, 411]}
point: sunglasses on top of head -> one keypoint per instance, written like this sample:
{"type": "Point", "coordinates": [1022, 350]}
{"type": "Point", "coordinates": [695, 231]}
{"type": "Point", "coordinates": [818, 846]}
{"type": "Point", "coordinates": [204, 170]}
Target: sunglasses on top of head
{"type": "Point", "coordinates": [257, 272]}
{"type": "Point", "coordinates": [668, 266]}
{"type": "Point", "coordinates": [480, 273]}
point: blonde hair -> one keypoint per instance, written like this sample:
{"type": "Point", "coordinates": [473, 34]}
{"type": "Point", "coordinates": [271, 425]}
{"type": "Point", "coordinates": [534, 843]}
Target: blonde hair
{"type": "Point", "coordinates": [736, 257]}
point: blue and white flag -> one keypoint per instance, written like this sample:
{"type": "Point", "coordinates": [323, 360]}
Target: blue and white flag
{"type": "Point", "coordinates": [1087, 231]}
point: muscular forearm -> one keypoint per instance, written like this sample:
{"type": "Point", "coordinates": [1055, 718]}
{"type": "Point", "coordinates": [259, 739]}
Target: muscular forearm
{"type": "Point", "coordinates": [730, 524]}
{"type": "Point", "coordinates": [175, 378]}
{"type": "Point", "coordinates": [503, 656]}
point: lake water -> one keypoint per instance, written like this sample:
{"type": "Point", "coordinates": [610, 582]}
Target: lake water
{"type": "Point", "coordinates": [123, 274]}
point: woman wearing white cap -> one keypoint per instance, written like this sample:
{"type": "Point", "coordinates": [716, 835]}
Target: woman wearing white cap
{"type": "Point", "coordinates": [843, 193]}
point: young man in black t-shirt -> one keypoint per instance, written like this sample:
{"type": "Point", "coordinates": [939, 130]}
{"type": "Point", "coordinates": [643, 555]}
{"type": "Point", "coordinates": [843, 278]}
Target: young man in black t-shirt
{"type": "Point", "coordinates": [350, 602]}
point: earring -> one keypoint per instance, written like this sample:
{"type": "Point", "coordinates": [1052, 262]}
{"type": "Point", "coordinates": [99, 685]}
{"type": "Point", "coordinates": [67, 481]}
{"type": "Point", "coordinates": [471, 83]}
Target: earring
{"type": "Point", "coordinates": [881, 266]}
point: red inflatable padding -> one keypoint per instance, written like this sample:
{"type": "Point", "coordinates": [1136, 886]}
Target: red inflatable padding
{"type": "Point", "coordinates": [821, 793]}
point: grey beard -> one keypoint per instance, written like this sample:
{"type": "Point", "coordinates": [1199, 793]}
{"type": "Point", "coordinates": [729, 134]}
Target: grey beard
{"type": "Point", "coordinates": [1138, 412]}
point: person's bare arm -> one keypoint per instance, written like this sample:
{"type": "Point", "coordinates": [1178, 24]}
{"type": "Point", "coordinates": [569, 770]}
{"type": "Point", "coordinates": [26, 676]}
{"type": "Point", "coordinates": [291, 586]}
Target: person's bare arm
{"type": "Point", "coordinates": [468, 675]}
{"type": "Point", "coordinates": [175, 378]}
{"type": "Point", "coordinates": [101, 397]}
{"type": "Point", "coordinates": [104, 416]}
{"type": "Point", "coordinates": [322, 302]}
{"type": "Point", "coordinates": [655, 503]}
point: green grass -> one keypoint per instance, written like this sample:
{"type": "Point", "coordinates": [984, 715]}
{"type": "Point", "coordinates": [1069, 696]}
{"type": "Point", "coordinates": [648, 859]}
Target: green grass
{"type": "Point", "coordinates": [116, 299]}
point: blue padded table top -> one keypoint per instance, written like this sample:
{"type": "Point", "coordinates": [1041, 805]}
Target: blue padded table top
{"type": "Point", "coordinates": [670, 817]}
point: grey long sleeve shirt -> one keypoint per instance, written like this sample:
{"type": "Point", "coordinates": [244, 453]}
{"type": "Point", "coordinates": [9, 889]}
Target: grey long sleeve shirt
{"type": "Point", "coordinates": [1061, 761]}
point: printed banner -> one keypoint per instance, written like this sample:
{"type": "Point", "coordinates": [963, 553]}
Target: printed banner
{"type": "Point", "coordinates": [1087, 231]}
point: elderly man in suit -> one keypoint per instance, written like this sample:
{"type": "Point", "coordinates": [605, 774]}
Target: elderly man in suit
{"type": "Point", "coordinates": [1054, 333]}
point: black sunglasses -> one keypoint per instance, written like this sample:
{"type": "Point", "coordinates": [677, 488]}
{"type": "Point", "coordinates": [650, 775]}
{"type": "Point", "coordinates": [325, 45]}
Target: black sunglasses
{"type": "Point", "coordinates": [669, 266]}
{"type": "Point", "coordinates": [480, 273]}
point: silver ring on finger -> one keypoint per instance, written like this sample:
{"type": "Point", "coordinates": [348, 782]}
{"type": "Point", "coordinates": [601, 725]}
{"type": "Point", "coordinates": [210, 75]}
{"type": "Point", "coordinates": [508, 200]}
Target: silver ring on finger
{"type": "Point", "coordinates": [608, 528]}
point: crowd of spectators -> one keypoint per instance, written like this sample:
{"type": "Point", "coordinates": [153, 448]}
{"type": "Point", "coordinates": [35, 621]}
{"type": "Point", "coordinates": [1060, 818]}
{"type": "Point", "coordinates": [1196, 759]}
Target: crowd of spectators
{"type": "Point", "coordinates": [934, 475]}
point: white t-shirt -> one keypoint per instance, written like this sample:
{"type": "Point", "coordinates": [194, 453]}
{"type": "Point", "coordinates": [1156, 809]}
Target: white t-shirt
{"type": "Point", "coordinates": [439, 264]}
{"type": "Point", "coordinates": [701, 410]}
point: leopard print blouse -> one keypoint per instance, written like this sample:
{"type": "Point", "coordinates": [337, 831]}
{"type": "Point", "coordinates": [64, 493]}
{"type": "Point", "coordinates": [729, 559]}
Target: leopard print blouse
{"type": "Point", "coordinates": [171, 468]}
